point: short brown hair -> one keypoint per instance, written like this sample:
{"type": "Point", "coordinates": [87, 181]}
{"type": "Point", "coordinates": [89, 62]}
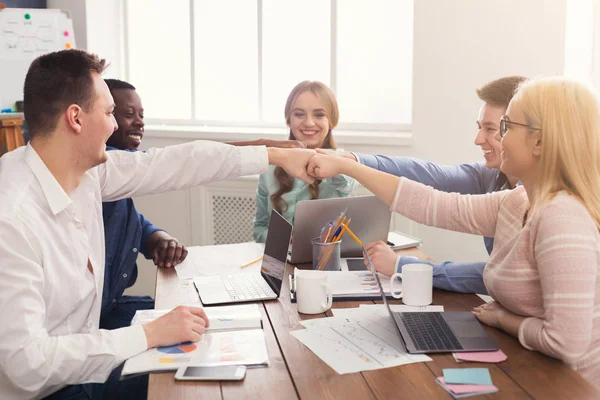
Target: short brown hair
{"type": "Point", "coordinates": [54, 81]}
{"type": "Point", "coordinates": [499, 92]}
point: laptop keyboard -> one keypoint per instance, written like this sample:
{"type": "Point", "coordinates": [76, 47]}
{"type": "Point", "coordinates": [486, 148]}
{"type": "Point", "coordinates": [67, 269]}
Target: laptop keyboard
{"type": "Point", "coordinates": [429, 331]}
{"type": "Point", "coordinates": [246, 287]}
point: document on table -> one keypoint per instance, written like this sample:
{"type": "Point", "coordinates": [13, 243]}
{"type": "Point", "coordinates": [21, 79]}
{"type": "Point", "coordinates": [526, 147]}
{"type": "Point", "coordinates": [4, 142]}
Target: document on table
{"type": "Point", "coordinates": [485, 297]}
{"type": "Point", "coordinates": [380, 310]}
{"type": "Point", "coordinates": [220, 260]}
{"type": "Point", "coordinates": [363, 341]}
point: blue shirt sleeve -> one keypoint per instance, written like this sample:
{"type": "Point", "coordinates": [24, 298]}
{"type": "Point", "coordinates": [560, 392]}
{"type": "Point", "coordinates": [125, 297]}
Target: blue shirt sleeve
{"type": "Point", "coordinates": [261, 221]}
{"type": "Point", "coordinates": [455, 277]}
{"type": "Point", "coordinates": [463, 178]}
{"type": "Point", "coordinates": [147, 229]}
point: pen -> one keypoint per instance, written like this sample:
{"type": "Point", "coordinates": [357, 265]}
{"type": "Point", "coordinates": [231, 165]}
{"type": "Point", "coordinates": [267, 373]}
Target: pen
{"type": "Point", "coordinates": [251, 262]}
{"type": "Point", "coordinates": [328, 232]}
{"type": "Point", "coordinates": [335, 235]}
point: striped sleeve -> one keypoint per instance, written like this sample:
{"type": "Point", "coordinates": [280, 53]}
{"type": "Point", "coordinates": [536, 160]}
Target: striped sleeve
{"type": "Point", "coordinates": [566, 254]}
{"type": "Point", "coordinates": [475, 214]}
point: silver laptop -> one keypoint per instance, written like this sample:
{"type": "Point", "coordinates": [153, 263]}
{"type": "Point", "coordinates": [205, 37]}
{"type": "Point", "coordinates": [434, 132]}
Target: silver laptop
{"type": "Point", "coordinates": [266, 285]}
{"type": "Point", "coordinates": [370, 222]}
{"type": "Point", "coordinates": [437, 332]}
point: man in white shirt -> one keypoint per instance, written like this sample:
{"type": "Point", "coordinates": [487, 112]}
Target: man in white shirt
{"type": "Point", "coordinates": [51, 230]}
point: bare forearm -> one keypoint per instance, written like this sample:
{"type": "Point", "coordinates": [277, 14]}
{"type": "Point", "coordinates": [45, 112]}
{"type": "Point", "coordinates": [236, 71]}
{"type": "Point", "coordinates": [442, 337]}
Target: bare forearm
{"type": "Point", "coordinates": [258, 142]}
{"type": "Point", "coordinates": [381, 184]}
{"type": "Point", "coordinates": [510, 323]}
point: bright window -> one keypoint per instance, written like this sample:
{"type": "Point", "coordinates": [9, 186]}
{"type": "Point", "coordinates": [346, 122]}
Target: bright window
{"type": "Point", "coordinates": [234, 62]}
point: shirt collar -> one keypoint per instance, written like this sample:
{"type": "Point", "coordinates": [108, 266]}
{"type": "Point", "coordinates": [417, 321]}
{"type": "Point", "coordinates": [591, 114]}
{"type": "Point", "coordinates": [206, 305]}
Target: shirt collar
{"type": "Point", "coordinates": [55, 195]}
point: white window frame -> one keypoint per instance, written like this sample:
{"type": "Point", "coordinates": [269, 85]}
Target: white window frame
{"type": "Point", "coordinates": [193, 128]}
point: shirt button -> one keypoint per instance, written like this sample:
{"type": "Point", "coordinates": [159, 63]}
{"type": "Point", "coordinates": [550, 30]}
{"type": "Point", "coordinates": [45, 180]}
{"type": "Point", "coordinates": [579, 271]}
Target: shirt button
{"type": "Point", "coordinates": [89, 324]}
{"type": "Point", "coordinates": [125, 275]}
{"type": "Point", "coordinates": [135, 250]}
{"type": "Point", "coordinates": [114, 300]}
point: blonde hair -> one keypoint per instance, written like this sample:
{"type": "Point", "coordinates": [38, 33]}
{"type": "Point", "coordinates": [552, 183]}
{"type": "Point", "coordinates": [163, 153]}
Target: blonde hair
{"type": "Point", "coordinates": [568, 114]}
{"type": "Point", "coordinates": [286, 182]}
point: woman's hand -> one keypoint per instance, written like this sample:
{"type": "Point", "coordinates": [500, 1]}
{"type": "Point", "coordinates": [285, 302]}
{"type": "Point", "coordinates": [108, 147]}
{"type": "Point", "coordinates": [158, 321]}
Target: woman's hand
{"type": "Point", "coordinates": [491, 314]}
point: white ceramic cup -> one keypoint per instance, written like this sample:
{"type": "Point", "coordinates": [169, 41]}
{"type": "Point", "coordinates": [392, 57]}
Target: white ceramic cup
{"type": "Point", "coordinates": [417, 284]}
{"type": "Point", "coordinates": [313, 292]}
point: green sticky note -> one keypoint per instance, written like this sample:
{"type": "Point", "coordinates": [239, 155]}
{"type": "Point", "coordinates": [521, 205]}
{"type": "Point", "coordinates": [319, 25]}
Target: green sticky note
{"type": "Point", "coordinates": [467, 376]}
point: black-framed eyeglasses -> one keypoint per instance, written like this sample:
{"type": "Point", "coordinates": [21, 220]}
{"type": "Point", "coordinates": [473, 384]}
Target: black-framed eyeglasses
{"type": "Point", "coordinates": [504, 122]}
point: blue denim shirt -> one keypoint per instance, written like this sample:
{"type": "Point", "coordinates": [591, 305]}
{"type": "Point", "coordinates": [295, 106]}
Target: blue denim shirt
{"type": "Point", "coordinates": [126, 233]}
{"type": "Point", "coordinates": [473, 178]}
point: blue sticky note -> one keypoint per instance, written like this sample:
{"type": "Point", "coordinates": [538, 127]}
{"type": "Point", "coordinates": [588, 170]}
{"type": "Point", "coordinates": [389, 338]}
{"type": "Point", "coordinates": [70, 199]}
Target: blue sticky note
{"type": "Point", "coordinates": [467, 376]}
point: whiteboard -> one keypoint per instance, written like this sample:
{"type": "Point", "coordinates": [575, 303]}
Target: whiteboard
{"type": "Point", "coordinates": [24, 35]}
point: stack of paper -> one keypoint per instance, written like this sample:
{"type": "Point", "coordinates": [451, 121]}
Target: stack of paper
{"type": "Point", "coordinates": [357, 339]}
{"type": "Point", "coordinates": [220, 260]}
{"type": "Point", "coordinates": [465, 382]}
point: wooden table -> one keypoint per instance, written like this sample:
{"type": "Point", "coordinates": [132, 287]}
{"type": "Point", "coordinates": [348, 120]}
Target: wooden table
{"type": "Point", "coordinates": [296, 372]}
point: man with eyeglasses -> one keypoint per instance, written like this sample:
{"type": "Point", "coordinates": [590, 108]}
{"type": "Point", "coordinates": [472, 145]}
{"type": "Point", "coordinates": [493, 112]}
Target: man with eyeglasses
{"type": "Point", "coordinates": [476, 178]}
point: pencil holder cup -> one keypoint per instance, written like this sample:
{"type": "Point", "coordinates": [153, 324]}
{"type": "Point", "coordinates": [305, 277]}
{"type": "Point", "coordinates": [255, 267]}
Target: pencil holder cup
{"type": "Point", "coordinates": [326, 256]}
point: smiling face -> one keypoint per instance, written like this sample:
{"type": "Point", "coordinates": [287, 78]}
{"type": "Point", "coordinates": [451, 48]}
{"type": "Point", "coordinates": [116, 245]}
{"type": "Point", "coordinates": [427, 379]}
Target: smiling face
{"type": "Point", "coordinates": [309, 122]}
{"type": "Point", "coordinates": [129, 114]}
{"type": "Point", "coordinates": [519, 147]}
{"type": "Point", "coordinates": [488, 125]}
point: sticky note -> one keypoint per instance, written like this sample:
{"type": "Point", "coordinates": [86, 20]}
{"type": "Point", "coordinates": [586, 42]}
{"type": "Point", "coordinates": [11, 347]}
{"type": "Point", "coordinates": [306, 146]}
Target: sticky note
{"type": "Point", "coordinates": [481, 356]}
{"type": "Point", "coordinates": [460, 391]}
{"type": "Point", "coordinates": [467, 376]}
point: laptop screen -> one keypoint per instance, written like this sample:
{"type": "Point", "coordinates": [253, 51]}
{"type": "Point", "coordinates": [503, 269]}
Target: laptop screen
{"type": "Point", "coordinates": [276, 250]}
{"type": "Point", "coordinates": [382, 293]}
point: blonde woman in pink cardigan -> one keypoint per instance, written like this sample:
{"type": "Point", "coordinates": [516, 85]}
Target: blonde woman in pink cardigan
{"type": "Point", "coordinates": [543, 271]}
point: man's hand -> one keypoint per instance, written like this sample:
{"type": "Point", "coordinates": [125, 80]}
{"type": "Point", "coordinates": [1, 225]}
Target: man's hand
{"type": "Point", "coordinates": [283, 144]}
{"type": "Point", "coordinates": [383, 258]}
{"type": "Point", "coordinates": [293, 161]}
{"type": "Point", "coordinates": [336, 153]}
{"type": "Point", "coordinates": [166, 251]}
{"type": "Point", "coordinates": [183, 324]}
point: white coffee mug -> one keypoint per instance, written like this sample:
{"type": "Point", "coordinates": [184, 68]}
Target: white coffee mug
{"type": "Point", "coordinates": [313, 292]}
{"type": "Point", "coordinates": [417, 284]}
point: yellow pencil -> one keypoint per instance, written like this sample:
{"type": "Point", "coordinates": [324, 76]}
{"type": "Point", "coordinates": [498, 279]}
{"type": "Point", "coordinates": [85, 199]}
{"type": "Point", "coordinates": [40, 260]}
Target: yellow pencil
{"type": "Point", "coordinates": [251, 262]}
{"type": "Point", "coordinates": [345, 228]}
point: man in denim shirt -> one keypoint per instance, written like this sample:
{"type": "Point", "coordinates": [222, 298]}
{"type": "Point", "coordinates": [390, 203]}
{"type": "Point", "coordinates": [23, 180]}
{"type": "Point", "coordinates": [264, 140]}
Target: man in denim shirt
{"type": "Point", "coordinates": [476, 178]}
{"type": "Point", "coordinates": [127, 232]}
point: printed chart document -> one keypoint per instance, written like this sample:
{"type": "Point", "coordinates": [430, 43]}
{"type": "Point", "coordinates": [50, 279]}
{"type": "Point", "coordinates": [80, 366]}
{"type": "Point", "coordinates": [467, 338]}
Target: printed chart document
{"type": "Point", "coordinates": [223, 259]}
{"type": "Point", "coordinates": [364, 340]}
{"type": "Point", "coordinates": [235, 337]}
{"type": "Point", "coordinates": [355, 285]}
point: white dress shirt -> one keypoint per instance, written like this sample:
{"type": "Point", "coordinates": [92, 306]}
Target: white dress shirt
{"type": "Point", "coordinates": [49, 300]}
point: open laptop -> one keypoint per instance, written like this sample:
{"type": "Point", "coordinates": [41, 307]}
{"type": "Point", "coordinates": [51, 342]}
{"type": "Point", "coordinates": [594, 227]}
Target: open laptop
{"type": "Point", "coordinates": [266, 285]}
{"type": "Point", "coordinates": [437, 332]}
{"type": "Point", "coordinates": [370, 222]}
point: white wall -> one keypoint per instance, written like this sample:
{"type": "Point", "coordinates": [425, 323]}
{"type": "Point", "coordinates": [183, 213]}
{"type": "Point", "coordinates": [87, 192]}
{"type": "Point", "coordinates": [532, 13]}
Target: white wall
{"type": "Point", "coordinates": [458, 46]}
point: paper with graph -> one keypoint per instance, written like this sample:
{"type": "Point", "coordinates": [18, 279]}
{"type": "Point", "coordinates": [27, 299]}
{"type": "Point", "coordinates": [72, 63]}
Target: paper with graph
{"type": "Point", "coordinates": [218, 348]}
{"type": "Point", "coordinates": [235, 337]}
{"type": "Point", "coordinates": [359, 341]}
